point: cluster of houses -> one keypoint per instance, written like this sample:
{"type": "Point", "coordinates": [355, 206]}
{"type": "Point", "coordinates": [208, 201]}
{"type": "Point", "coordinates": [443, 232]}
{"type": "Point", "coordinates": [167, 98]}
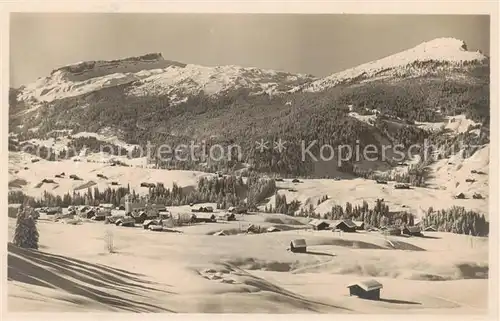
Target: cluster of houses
{"type": "Point", "coordinates": [350, 226]}
{"type": "Point", "coordinates": [367, 289]}
{"type": "Point", "coordinates": [203, 209]}
{"type": "Point", "coordinates": [148, 185]}
{"type": "Point", "coordinates": [132, 212]}
{"type": "Point", "coordinates": [50, 210]}
{"type": "Point", "coordinates": [462, 196]}
{"type": "Point", "coordinates": [73, 177]}
{"type": "Point", "coordinates": [252, 229]}
{"type": "Point", "coordinates": [340, 225]}
{"type": "Point", "coordinates": [154, 216]}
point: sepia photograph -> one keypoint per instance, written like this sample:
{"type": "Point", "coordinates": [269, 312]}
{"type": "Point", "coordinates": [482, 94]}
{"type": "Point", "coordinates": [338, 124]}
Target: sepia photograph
{"type": "Point", "coordinates": [249, 163]}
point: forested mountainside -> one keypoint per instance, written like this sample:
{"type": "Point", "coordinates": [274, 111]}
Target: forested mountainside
{"type": "Point", "coordinates": [385, 102]}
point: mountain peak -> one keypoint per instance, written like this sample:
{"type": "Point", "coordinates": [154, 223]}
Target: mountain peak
{"type": "Point", "coordinates": [412, 62]}
{"type": "Point", "coordinates": [151, 74]}
{"type": "Point", "coordinates": [86, 70]}
{"type": "Point", "coordinates": [76, 67]}
{"type": "Point", "coordinates": [449, 49]}
{"type": "Point", "coordinates": [445, 42]}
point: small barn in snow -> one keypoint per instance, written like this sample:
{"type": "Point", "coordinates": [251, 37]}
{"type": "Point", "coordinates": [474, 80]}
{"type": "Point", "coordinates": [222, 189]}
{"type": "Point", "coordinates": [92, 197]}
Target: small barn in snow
{"type": "Point", "coordinates": [148, 223]}
{"type": "Point", "coordinates": [391, 230]}
{"type": "Point", "coordinates": [156, 228]}
{"type": "Point", "coordinates": [346, 226]}
{"type": "Point", "coordinates": [319, 225]}
{"type": "Point", "coordinates": [298, 246]}
{"type": "Point", "coordinates": [53, 210]}
{"type": "Point", "coordinates": [204, 218]}
{"type": "Point", "coordinates": [369, 289]}
{"type": "Point", "coordinates": [273, 229]}
{"type": "Point", "coordinates": [164, 214]}
{"type": "Point", "coordinates": [107, 206]}
{"type": "Point", "coordinates": [360, 225]}
{"type": "Point", "coordinates": [89, 213]}
{"type": "Point", "coordinates": [227, 217]}
{"type": "Point", "coordinates": [412, 230]}
{"type": "Point", "coordinates": [252, 229]}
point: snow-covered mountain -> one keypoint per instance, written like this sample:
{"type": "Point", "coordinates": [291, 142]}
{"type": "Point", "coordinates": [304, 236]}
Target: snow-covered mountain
{"type": "Point", "coordinates": [153, 75]}
{"type": "Point", "coordinates": [432, 57]}
{"type": "Point", "coordinates": [134, 101]}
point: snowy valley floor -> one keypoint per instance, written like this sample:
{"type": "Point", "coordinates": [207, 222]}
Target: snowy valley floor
{"type": "Point", "coordinates": [193, 271]}
{"type": "Point", "coordinates": [27, 177]}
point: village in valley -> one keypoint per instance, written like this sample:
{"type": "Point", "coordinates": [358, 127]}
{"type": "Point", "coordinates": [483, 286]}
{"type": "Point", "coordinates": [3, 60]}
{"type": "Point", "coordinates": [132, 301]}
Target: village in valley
{"type": "Point", "coordinates": [283, 227]}
{"type": "Point", "coordinates": [234, 244]}
{"type": "Point", "coordinates": [156, 217]}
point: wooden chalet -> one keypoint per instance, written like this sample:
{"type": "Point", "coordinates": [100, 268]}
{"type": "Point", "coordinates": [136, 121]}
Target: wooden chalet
{"type": "Point", "coordinates": [319, 225]}
{"type": "Point", "coordinates": [412, 230]}
{"type": "Point", "coordinates": [345, 226]}
{"type": "Point", "coordinates": [204, 217]}
{"type": "Point", "coordinates": [369, 289]}
{"type": "Point", "coordinates": [360, 225]}
{"type": "Point", "coordinates": [298, 246]}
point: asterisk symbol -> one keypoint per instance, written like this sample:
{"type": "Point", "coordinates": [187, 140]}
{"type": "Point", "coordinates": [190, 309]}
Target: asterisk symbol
{"type": "Point", "coordinates": [261, 145]}
{"type": "Point", "coordinates": [280, 145]}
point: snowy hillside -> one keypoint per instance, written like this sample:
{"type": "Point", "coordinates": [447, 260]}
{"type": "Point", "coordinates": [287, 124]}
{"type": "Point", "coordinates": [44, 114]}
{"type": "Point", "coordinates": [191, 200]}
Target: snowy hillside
{"type": "Point", "coordinates": [437, 85]}
{"type": "Point", "coordinates": [409, 63]}
{"type": "Point", "coordinates": [152, 75]}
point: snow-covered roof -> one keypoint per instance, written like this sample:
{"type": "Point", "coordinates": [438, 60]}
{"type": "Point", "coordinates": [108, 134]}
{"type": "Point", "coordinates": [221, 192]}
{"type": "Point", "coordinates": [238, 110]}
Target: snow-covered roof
{"type": "Point", "coordinates": [367, 285]}
{"type": "Point", "coordinates": [317, 222]}
{"type": "Point", "coordinates": [299, 243]}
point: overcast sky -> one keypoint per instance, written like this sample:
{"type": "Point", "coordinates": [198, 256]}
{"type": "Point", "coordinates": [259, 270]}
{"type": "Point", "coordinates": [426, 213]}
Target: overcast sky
{"type": "Point", "coordinates": [313, 44]}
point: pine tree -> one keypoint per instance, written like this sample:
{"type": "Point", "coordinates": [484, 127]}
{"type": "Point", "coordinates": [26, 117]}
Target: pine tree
{"type": "Point", "coordinates": [26, 232]}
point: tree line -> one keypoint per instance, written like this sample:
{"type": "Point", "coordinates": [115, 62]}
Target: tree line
{"type": "Point", "coordinates": [226, 191]}
{"type": "Point", "coordinates": [240, 118]}
{"type": "Point", "coordinates": [232, 191]}
{"type": "Point", "coordinates": [457, 220]}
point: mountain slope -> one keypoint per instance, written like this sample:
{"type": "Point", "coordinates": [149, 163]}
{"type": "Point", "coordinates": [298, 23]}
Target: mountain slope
{"type": "Point", "coordinates": [428, 58]}
{"type": "Point", "coordinates": [153, 75]}
{"type": "Point", "coordinates": [148, 99]}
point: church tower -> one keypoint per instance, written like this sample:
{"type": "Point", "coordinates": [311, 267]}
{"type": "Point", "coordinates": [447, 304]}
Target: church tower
{"type": "Point", "coordinates": [128, 203]}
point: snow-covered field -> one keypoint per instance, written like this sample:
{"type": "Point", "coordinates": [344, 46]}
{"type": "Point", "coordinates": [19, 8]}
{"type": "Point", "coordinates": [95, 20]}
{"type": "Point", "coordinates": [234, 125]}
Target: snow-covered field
{"type": "Point", "coordinates": [455, 124]}
{"type": "Point", "coordinates": [358, 190]}
{"type": "Point", "coordinates": [195, 272]}
{"type": "Point", "coordinates": [452, 173]}
{"type": "Point", "coordinates": [447, 180]}
{"type": "Point", "coordinates": [190, 270]}
{"type": "Point", "coordinates": [87, 171]}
